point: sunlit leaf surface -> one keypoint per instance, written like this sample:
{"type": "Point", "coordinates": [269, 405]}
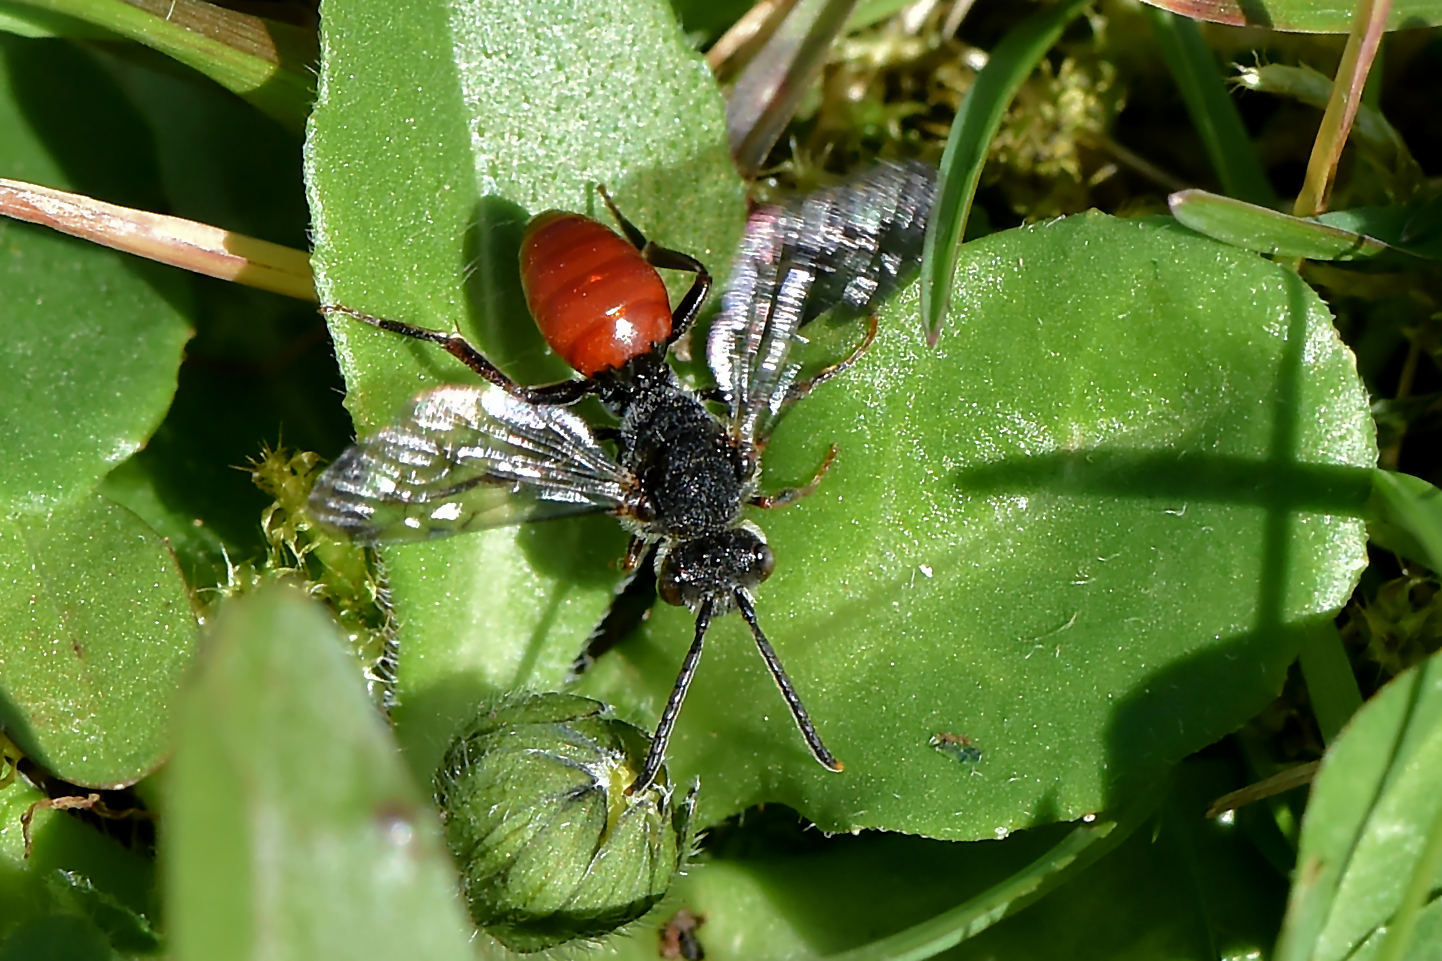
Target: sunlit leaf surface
{"type": "Point", "coordinates": [1085, 533]}
{"type": "Point", "coordinates": [98, 630]}
{"type": "Point", "coordinates": [80, 321]}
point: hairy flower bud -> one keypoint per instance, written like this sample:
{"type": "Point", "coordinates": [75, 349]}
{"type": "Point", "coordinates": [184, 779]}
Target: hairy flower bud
{"type": "Point", "coordinates": [549, 846]}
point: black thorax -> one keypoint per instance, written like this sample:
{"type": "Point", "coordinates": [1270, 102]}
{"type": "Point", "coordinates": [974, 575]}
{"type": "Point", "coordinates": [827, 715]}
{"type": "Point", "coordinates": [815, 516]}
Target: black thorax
{"type": "Point", "coordinates": [689, 470]}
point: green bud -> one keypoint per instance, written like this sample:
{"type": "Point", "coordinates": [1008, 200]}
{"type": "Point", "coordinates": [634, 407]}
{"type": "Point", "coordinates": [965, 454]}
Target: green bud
{"type": "Point", "coordinates": [549, 846]}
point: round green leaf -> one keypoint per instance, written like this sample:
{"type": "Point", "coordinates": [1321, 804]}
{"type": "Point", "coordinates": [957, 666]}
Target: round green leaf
{"type": "Point", "coordinates": [93, 339]}
{"type": "Point", "coordinates": [79, 324]}
{"type": "Point", "coordinates": [293, 829]}
{"type": "Point", "coordinates": [98, 629]}
{"type": "Point", "coordinates": [438, 130]}
{"type": "Point", "coordinates": [1181, 887]}
{"type": "Point", "coordinates": [1087, 533]}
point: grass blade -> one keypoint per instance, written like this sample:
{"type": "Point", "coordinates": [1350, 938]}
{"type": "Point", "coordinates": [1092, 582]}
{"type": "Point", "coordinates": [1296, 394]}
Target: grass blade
{"type": "Point", "coordinates": [1213, 113]}
{"type": "Point", "coordinates": [972, 132]}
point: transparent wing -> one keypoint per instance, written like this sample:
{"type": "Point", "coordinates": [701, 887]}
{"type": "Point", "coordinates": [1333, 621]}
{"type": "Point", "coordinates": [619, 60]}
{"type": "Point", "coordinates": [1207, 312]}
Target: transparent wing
{"type": "Point", "coordinates": [845, 247]}
{"type": "Point", "coordinates": [467, 458]}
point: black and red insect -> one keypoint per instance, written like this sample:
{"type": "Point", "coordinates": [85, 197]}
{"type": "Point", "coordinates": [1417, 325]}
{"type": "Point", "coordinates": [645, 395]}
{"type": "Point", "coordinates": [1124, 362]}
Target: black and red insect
{"type": "Point", "coordinates": [677, 475]}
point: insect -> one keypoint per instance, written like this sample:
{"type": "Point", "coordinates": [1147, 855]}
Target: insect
{"type": "Point", "coordinates": [678, 938]}
{"type": "Point", "coordinates": [464, 458]}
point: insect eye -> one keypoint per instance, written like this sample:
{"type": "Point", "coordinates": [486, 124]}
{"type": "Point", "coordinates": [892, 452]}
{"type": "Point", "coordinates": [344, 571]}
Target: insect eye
{"type": "Point", "coordinates": [765, 562]}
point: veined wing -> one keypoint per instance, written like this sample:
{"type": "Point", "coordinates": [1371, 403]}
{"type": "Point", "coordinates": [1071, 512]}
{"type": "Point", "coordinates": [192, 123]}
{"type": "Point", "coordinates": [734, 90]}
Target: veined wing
{"type": "Point", "coordinates": [846, 247]}
{"type": "Point", "coordinates": [467, 458]}
{"type": "Point", "coordinates": [864, 237]}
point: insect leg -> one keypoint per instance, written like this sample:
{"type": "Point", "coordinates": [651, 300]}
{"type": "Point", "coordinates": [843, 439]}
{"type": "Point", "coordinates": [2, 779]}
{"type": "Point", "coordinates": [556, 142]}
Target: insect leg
{"type": "Point", "coordinates": [563, 392]}
{"type": "Point", "coordinates": [635, 554]}
{"type": "Point", "coordinates": [657, 755]}
{"type": "Point", "coordinates": [793, 700]}
{"type": "Point", "coordinates": [803, 387]}
{"type": "Point", "coordinates": [790, 495]}
{"type": "Point", "coordinates": [632, 232]}
{"type": "Point", "coordinates": [667, 259]}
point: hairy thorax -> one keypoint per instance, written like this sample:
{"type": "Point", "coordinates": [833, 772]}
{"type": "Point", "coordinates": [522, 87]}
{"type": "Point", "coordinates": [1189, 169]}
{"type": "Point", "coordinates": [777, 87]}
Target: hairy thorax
{"type": "Point", "coordinates": [692, 472]}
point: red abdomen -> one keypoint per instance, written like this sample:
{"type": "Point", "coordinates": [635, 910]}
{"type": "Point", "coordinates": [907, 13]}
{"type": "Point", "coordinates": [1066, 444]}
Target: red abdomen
{"type": "Point", "coordinates": [595, 299]}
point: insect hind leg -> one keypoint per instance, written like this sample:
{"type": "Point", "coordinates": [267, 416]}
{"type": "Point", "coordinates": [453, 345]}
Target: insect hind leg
{"type": "Point", "coordinates": [666, 259]}
{"type": "Point", "coordinates": [563, 392]}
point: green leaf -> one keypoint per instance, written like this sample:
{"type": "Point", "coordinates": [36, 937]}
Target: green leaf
{"type": "Point", "coordinates": [79, 323]}
{"type": "Point", "coordinates": [1390, 170]}
{"type": "Point", "coordinates": [1091, 544]}
{"type": "Point", "coordinates": [1269, 231]}
{"type": "Point", "coordinates": [266, 62]}
{"type": "Point", "coordinates": [1331, 684]}
{"type": "Point", "coordinates": [97, 632]}
{"type": "Point", "coordinates": [1389, 225]}
{"type": "Point", "coordinates": [1088, 532]}
{"type": "Point", "coordinates": [293, 828]}
{"type": "Point", "coordinates": [18, 17]}
{"type": "Point", "coordinates": [1405, 516]}
{"type": "Point", "coordinates": [105, 890]}
{"type": "Point", "coordinates": [92, 338]}
{"type": "Point", "coordinates": [259, 370]}
{"type": "Point", "coordinates": [439, 129]}
{"type": "Point", "coordinates": [1181, 887]}
{"type": "Point", "coordinates": [1300, 16]}
{"type": "Point", "coordinates": [59, 937]}
{"type": "Point", "coordinates": [1371, 846]}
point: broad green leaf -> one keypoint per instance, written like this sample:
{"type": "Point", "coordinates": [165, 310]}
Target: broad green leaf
{"type": "Point", "coordinates": [1423, 943]}
{"type": "Point", "coordinates": [259, 370]}
{"type": "Point", "coordinates": [439, 128]}
{"type": "Point", "coordinates": [1300, 16]}
{"type": "Point", "coordinates": [1373, 829]}
{"type": "Point", "coordinates": [1181, 887]}
{"type": "Point", "coordinates": [92, 351]}
{"type": "Point", "coordinates": [1087, 532]}
{"type": "Point", "coordinates": [98, 629]}
{"type": "Point", "coordinates": [103, 889]}
{"type": "Point", "coordinates": [92, 338]}
{"type": "Point", "coordinates": [293, 829]}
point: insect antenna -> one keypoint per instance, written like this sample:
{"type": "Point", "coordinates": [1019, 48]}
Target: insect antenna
{"type": "Point", "coordinates": [657, 753]}
{"type": "Point", "coordinates": [793, 700]}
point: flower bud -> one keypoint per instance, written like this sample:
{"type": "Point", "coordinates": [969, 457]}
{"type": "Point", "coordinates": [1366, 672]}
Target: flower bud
{"type": "Point", "coordinates": [549, 846]}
